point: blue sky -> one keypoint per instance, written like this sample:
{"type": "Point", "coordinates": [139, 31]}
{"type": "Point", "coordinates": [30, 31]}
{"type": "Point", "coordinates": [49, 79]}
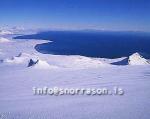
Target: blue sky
{"type": "Point", "coordinates": [79, 14]}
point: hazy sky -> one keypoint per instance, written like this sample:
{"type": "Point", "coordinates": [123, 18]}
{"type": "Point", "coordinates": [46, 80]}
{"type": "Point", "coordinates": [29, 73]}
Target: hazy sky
{"type": "Point", "coordinates": [85, 14]}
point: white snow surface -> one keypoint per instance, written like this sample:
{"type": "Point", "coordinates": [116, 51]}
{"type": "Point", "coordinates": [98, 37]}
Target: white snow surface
{"type": "Point", "coordinates": [17, 100]}
{"type": "Point", "coordinates": [1, 51]}
{"type": "Point", "coordinates": [4, 40]}
{"type": "Point", "coordinates": [40, 64]}
{"type": "Point", "coordinates": [137, 59]}
{"type": "Point", "coordinates": [5, 32]}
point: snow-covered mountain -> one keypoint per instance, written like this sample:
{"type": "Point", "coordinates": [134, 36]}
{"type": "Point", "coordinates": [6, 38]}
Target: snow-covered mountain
{"type": "Point", "coordinates": [22, 68]}
{"type": "Point", "coordinates": [17, 30]}
{"type": "Point", "coordinates": [137, 59]}
{"type": "Point", "coordinates": [5, 32]}
{"type": "Point", "coordinates": [40, 64]}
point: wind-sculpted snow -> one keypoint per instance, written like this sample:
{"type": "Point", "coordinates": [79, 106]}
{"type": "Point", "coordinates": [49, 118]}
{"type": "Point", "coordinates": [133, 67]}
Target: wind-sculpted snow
{"type": "Point", "coordinates": [22, 68]}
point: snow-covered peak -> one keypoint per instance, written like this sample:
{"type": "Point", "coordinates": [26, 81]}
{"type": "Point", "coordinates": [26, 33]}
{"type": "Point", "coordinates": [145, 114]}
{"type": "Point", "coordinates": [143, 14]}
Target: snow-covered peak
{"type": "Point", "coordinates": [39, 64]}
{"type": "Point", "coordinates": [137, 59]}
{"type": "Point", "coordinates": [16, 30]}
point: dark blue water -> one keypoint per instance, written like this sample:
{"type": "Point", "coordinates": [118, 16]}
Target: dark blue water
{"type": "Point", "coordinates": [92, 44]}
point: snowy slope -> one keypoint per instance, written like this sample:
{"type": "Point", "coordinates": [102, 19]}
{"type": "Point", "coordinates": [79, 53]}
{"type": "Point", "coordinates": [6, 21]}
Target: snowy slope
{"type": "Point", "coordinates": [137, 59]}
{"type": "Point", "coordinates": [3, 40]}
{"type": "Point", "coordinates": [40, 64]}
{"type": "Point", "coordinates": [22, 68]}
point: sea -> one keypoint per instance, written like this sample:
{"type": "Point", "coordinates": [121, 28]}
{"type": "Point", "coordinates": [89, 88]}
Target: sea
{"type": "Point", "coordinates": [102, 44]}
